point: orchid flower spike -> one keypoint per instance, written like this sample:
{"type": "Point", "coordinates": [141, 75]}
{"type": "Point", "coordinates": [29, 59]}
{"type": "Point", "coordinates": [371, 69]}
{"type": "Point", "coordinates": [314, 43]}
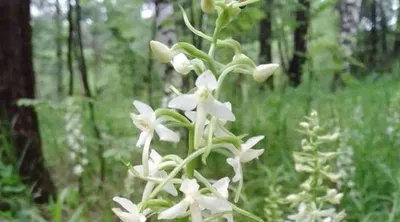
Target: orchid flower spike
{"type": "Point", "coordinates": [244, 155]}
{"type": "Point", "coordinates": [205, 103]}
{"type": "Point", "coordinates": [131, 213]}
{"type": "Point", "coordinates": [196, 202]}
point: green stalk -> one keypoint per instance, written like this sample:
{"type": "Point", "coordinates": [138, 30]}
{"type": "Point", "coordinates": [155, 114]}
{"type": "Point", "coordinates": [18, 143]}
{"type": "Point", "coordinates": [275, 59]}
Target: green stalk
{"type": "Point", "coordinates": [192, 164]}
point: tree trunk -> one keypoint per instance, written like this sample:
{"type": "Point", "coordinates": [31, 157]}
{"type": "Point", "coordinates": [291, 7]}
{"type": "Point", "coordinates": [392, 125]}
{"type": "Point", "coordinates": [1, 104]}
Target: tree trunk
{"type": "Point", "coordinates": [300, 43]}
{"type": "Point", "coordinates": [89, 95]}
{"type": "Point", "coordinates": [373, 38]}
{"type": "Point", "coordinates": [396, 50]}
{"type": "Point", "coordinates": [59, 37]}
{"type": "Point", "coordinates": [17, 81]}
{"type": "Point", "coordinates": [166, 34]}
{"type": "Point", "coordinates": [70, 48]}
{"type": "Point", "coordinates": [349, 18]}
{"type": "Point", "coordinates": [265, 37]}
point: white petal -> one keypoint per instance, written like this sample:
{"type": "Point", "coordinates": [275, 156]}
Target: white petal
{"type": "Point", "coordinates": [175, 211]}
{"type": "Point", "coordinates": [195, 213]}
{"type": "Point", "coordinates": [143, 218]}
{"type": "Point", "coordinates": [189, 186]}
{"type": "Point", "coordinates": [139, 169]}
{"type": "Point", "coordinates": [191, 115]}
{"type": "Point", "coordinates": [219, 130]}
{"type": "Point", "coordinates": [222, 186]}
{"type": "Point", "coordinates": [228, 105]}
{"type": "Point", "coordinates": [214, 204]}
{"type": "Point", "coordinates": [143, 108]}
{"type": "Point", "coordinates": [251, 142]}
{"type": "Point", "coordinates": [169, 187]}
{"type": "Point", "coordinates": [181, 64]}
{"type": "Point", "coordinates": [166, 134]}
{"type": "Point", "coordinates": [127, 205]}
{"type": "Point", "coordinates": [184, 102]}
{"type": "Point", "coordinates": [250, 155]}
{"type": "Point", "coordinates": [207, 79]}
{"type": "Point", "coordinates": [199, 125]}
{"type": "Point", "coordinates": [155, 157]}
{"type": "Point", "coordinates": [217, 109]}
{"type": "Point", "coordinates": [137, 122]}
{"type": "Point", "coordinates": [142, 139]}
{"type": "Point", "coordinates": [125, 216]}
{"type": "Point", "coordinates": [228, 217]}
{"type": "Point", "coordinates": [235, 163]}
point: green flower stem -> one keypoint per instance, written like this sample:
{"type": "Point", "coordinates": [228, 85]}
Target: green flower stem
{"type": "Point", "coordinates": [192, 164]}
{"type": "Point", "coordinates": [248, 2]}
{"type": "Point", "coordinates": [211, 52]}
{"type": "Point", "coordinates": [239, 189]}
{"type": "Point", "coordinates": [175, 115]}
{"type": "Point", "coordinates": [215, 192]}
{"type": "Point", "coordinates": [222, 77]}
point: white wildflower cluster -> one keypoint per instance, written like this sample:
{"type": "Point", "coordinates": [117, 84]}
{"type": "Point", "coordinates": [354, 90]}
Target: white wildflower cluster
{"type": "Point", "coordinates": [393, 119]}
{"type": "Point", "coordinates": [75, 139]}
{"type": "Point", "coordinates": [345, 163]}
{"type": "Point", "coordinates": [175, 189]}
{"type": "Point", "coordinates": [316, 202]}
{"type": "Point", "coordinates": [273, 208]}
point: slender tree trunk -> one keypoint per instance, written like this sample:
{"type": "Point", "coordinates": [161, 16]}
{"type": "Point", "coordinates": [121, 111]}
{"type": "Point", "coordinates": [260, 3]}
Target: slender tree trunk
{"type": "Point", "coordinates": [265, 37]}
{"type": "Point", "coordinates": [349, 18]}
{"type": "Point", "coordinates": [88, 94]}
{"type": "Point", "coordinates": [59, 37]}
{"type": "Point", "coordinates": [17, 81]}
{"type": "Point", "coordinates": [300, 43]}
{"type": "Point", "coordinates": [396, 50]}
{"type": "Point", "coordinates": [166, 34]}
{"type": "Point", "coordinates": [373, 38]}
{"type": "Point", "coordinates": [70, 48]}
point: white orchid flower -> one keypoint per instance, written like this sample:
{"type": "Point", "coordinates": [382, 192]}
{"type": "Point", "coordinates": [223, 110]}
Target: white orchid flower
{"type": "Point", "coordinates": [147, 122]}
{"type": "Point", "coordinates": [154, 171]}
{"type": "Point", "coordinates": [181, 64]}
{"type": "Point", "coordinates": [195, 202]}
{"type": "Point", "coordinates": [205, 103]}
{"type": "Point", "coordinates": [244, 155]}
{"type": "Point", "coordinates": [131, 213]}
{"type": "Point", "coordinates": [220, 130]}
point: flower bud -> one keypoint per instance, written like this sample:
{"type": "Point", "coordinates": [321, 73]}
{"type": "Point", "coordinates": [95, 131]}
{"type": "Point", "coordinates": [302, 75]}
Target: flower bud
{"type": "Point", "coordinates": [181, 64]}
{"type": "Point", "coordinates": [162, 52]}
{"type": "Point", "coordinates": [263, 72]}
{"type": "Point", "coordinates": [207, 6]}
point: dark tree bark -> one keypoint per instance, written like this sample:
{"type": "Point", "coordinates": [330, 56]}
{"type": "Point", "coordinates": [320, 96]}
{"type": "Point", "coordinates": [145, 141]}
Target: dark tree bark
{"type": "Point", "coordinates": [59, 37]}
{"type": "Point", "coordinates": [373, 38]}
{"type": "Point", "coordinates": [300, 43]}
{"type": "Point", "coordinates": [396, 49]}
{"type": "Point", "coordinates": [265, 38]}
{"type": "Point", "coordinates": [70, 48]}
{"type": "Point", "coordinates": [17, 81]}
{"type": "Point", "coordinates": [265, 35]}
